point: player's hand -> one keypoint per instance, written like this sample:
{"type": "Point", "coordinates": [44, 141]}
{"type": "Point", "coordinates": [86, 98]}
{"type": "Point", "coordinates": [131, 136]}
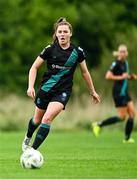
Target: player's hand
{"type": "Point", "coordinates": [133, 76]}
{"type": "Point", "coordinates": [95, 97]}
{"type": "Point", "coordinates": [31, 92]}
{"type": "Point", "coordinates": [125, 76]}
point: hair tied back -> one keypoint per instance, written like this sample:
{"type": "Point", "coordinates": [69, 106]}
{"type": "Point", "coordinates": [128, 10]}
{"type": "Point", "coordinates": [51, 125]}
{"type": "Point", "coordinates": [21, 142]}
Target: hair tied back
{"type": "Point", "coordinates": [115, 53]}
{"type": "Point", "coordinates": [61, 19]}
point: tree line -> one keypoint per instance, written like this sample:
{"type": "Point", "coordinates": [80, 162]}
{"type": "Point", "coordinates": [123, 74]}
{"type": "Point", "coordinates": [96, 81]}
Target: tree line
{"type": "Point", "coordinates": [27, 26]}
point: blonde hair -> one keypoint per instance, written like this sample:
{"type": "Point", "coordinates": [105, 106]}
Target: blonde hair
{"type": "Point", "coordinates": [61, 21]}
{"type": "Point", "coordinates": [116, 53]}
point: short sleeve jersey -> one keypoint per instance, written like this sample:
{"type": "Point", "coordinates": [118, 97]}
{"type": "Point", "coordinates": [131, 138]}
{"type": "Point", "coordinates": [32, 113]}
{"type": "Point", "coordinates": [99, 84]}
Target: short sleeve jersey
{"type": "Point", "coordinates": [118, 68]}
{"type": "Point", "coordinates": [61, 65]}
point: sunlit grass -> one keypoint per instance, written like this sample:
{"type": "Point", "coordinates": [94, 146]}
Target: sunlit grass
{"type": "Point", "coordinates": [72, 154]}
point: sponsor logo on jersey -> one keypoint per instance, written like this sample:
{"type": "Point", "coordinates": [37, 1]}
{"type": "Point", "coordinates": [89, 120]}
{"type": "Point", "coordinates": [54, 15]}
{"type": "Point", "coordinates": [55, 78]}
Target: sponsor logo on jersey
{"type": "Point", "coordinates": [55, 66]}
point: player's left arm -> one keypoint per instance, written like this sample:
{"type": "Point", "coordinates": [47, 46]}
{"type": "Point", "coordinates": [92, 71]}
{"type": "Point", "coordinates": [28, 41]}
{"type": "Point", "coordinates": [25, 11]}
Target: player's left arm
{"type": "Point", "coordinates": [133, 76]}
{"type": "Point", "coordinates": [87, 77]}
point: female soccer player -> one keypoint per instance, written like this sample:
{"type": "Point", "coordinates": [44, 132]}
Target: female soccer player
{"type": "Point", "coordinates": [119, 73]}
{"type": "Point", "coordinates": [62, 58]}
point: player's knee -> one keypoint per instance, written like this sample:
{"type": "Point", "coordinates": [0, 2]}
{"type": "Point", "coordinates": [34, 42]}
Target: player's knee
{"type": "Point", "coordinates": [132, 114]}
{"type": "Point", "coordinates": [122, 117]}
{"type": "Point", "coordinates": [37, 120]}
{"type": "Point", "coordinates": [47, 119]}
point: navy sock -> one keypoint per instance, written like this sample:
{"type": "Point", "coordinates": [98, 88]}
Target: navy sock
{"type": "Point", "coordinates": [128, 128]}
{"type": "Point", "coordinates": [109, 121]}
{"type": "Point", "coordinates": [31, 128]}
{"type": "Point", "coordinates": [41, 135]}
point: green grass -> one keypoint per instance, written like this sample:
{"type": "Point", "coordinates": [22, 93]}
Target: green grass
{"type": "Point", "coordinates": [72, 155]}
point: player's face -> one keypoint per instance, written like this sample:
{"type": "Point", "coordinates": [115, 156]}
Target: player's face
{"type": "Point", "coordinates": [123, 53]}
{"type": "Point", "coordinates": [63, 34]}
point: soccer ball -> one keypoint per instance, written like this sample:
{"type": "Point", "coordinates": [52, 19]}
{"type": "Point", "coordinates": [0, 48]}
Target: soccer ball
{"type": "Point", "coordinates": [31, 159]}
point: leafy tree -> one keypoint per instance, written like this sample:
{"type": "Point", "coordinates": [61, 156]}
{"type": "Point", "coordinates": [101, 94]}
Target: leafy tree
{"type": "Point", "coordinates": [27, 26]}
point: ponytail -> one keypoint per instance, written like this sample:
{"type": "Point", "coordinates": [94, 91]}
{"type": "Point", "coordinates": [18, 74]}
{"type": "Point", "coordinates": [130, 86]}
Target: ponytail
{"type": "Point", "coordinates": [115, 53]}
{"type": "Point", "coordinates": [61, 19]}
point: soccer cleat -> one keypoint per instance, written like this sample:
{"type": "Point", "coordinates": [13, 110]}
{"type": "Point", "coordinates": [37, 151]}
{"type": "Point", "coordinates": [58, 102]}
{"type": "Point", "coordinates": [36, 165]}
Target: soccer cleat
{"type": "Point", "coordinates": [26, 143]}
{"type": "Point", "coordinates": [96, 129]}
{"type": "Point", "coordinates": [129, 141]}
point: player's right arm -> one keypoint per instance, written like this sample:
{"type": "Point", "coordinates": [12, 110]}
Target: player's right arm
{"type": "Point", "coordinates": [34, 68]}
{"type": "Point", "coordinates": [32, 76]}
{"type": "Point", "coordinates": [111, 73]}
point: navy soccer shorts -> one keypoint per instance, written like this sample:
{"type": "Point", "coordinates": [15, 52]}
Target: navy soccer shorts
{"type": "Point", "coordinates": [44, 98]}
{"type": "Point", "coordinates": [121, 101]}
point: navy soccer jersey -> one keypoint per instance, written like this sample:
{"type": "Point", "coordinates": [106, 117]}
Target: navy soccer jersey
{"type": "Point", "coordinates": [61, 65]}
{"type": "Point", "coordinates": [120, 86]}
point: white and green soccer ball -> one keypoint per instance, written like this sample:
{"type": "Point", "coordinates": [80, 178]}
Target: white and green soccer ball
{"type": "Point", "coordinates": [31, 159]}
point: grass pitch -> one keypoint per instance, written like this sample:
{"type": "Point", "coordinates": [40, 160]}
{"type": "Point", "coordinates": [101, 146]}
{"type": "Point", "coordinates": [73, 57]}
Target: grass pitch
{"type": "Point", "coordinates": [72, 155]}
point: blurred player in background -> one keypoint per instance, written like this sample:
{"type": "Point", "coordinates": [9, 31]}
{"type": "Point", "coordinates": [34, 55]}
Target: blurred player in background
{"type": "Point", "coordinates": [61, 58]}
{"type": "Point", "coordinates": [119, 73]}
